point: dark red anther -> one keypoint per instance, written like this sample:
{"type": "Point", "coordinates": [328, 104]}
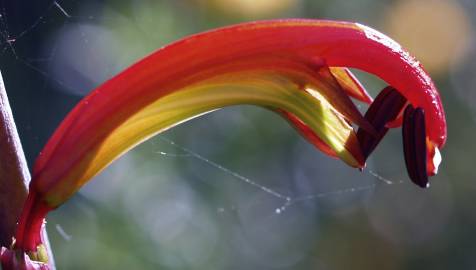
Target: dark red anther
{"type": "Point", "coordinates": [414, 145]}
{"type": "Point", "coordinates": [386, 107]}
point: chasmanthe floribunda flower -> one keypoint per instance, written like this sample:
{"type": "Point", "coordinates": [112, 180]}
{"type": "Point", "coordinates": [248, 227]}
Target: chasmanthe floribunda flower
{"type": "Point", "coordinates": [295, 67]}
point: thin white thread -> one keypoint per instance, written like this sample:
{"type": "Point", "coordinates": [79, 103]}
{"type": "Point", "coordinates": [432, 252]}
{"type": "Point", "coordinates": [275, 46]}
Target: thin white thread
{"type": "Point", "coordinates": [288, 201]}
{"type": "Point", "coordinates": [383, 179]}
{"type": "Point", "coordinates": [63, 11]}
{"type": "Point", "coordinates": [224, 169]}
{"type": "Point", "coordinates": [62, 233]}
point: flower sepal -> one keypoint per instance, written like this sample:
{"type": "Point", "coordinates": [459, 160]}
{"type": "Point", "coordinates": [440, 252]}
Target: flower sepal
{"type": "Point", "coordinates": [12, 259]}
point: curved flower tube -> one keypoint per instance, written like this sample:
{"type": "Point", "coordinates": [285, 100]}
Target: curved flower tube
{"type": "Point", "coordinates": [294, 67]}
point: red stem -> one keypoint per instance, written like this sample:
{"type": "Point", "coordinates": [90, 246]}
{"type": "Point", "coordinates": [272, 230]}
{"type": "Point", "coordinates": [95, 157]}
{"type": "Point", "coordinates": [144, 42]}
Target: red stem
{"type": "Point", "coordinates": [28, 235]}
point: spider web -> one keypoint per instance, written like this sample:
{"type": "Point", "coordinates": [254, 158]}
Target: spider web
{"type": "Point", "coordinates": [287, 200]}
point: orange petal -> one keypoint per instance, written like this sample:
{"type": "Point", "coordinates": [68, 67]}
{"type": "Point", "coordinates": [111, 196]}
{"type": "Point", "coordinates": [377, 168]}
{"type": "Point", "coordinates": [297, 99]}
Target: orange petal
{"type": "Point", "coordinates": [351, 84]}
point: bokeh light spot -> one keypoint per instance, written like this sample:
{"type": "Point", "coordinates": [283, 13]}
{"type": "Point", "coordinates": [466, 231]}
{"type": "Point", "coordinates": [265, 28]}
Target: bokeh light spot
{"type": "Point", "coordinates": [437, 32]}
{"type": "Point", "coordinates": [252, 8]}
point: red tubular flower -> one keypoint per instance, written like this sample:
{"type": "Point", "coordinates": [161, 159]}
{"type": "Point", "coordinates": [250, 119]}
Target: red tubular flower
{"type": "Point", "coordinates": [294, 67]}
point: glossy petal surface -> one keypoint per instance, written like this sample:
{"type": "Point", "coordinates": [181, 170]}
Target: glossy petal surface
{"type": "Point", "coordinates": [297, 91]}
{"type": "Point", "coordinates": [282, 65]}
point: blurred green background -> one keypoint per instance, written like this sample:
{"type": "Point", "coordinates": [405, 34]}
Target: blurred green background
{"type": "Point", "coordinates": [177, 202]}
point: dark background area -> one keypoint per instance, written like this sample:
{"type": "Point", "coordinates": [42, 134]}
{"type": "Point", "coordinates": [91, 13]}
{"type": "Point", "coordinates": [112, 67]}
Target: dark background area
{"type": "Point", "coordinates": [160, 206]}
